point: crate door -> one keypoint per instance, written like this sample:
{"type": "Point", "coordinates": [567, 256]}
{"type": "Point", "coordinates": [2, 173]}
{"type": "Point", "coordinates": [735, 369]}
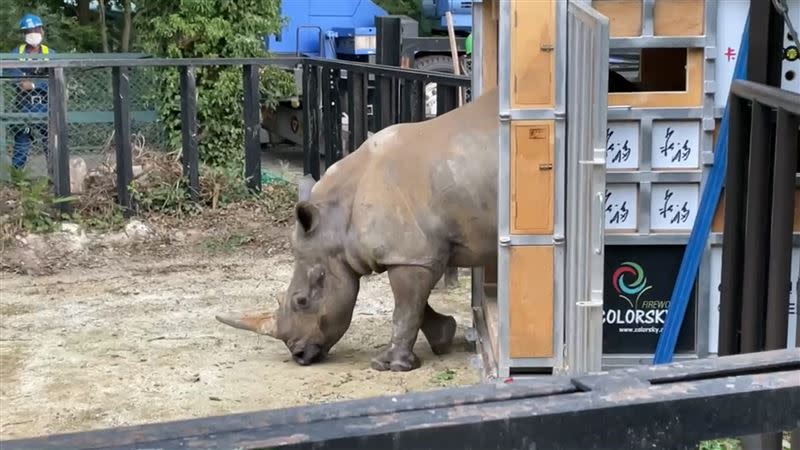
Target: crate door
{"type": "Point", "coordinates": [587, 107]}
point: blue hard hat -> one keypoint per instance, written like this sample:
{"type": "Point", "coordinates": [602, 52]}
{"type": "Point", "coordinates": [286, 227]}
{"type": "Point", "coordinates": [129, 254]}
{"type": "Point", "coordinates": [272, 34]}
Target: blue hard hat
{"type": "Point", "coordinates": [29, 21]}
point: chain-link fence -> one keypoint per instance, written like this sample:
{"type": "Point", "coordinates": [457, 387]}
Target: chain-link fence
{"type": "Point", "coordinates": [90, 114]}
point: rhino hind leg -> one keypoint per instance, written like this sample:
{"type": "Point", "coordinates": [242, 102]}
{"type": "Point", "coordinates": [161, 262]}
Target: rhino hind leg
{"type": "Point", "coordinates": [411, 287]}
{"type": "Point", "coordinates": [439, 330]}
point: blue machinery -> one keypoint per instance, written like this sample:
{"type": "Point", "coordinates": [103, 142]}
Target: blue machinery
{"type": "Point", "coordinates": [345, 29]}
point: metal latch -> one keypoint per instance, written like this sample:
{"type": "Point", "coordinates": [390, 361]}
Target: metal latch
{"type": "Point", "coordinates": [547, 166]}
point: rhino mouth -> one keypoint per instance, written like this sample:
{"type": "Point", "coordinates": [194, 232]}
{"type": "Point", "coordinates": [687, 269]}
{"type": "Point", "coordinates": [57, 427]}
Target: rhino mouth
{"type": "Point", "coordinates": [308, 355]}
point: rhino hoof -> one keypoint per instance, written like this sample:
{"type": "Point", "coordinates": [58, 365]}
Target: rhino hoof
{"type": "Point", "coordinates": [396, 361]}
{"type": "Point", "coordinates": [440, 333]}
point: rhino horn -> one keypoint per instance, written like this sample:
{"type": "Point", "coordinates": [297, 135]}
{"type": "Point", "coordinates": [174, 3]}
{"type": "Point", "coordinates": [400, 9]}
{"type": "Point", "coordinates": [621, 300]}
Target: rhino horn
{"type": "Point", "coordinates": [304, 187]}
{"type": "Point", "coordinates": [261, 323]}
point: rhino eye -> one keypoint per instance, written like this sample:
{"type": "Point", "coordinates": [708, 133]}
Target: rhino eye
{"type": "Point", "coordinates": [302, 302]}
{"type": "Point", "coordinates": [317, 275]}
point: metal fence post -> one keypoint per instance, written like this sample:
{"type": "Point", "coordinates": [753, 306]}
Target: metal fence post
{"type": "Point", "coordinates": [732, 245]}
{"type": "Point", "coordinates": [446, 98]}
{"type": "Point", "coordinates": [756, 233]}
{"type": "Point", "coordinates": [384, 103]}
{"type": "Point", "coordinates": [190, 157]}
{"type": "Point", "coordinates": [252, 126]}
{"type": "Point", "coordinates": [356, 109]}
{"type": "Point", "coordinates": [310, 121]}
{"type": "Point", "coordinates": [122, 125]}
{"type": "Point", "coordinates": [331, 117]}
{"type": "Point", "coordinates": [413, 101]}
{"type": "Point", "coordinates": [57, 136]}
{"type": "Point", "coordinates": [780, 243]}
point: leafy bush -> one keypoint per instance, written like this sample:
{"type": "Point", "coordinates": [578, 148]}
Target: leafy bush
{"type": "Point", "coordinates": [27, 204]}
{"type": "Point", "coordinates": [212, 28]}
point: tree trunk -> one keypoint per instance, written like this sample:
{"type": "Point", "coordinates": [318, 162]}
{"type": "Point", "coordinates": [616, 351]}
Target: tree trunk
{"type": "Point", "coordinates": [103, 31]}
{"type": "Point", "coordinates": [84, 13]}
{"type": "Point", "coordinates": [126, 26]}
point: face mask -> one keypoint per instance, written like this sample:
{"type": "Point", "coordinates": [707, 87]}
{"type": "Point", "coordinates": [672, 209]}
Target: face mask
{"type": "Point", "coordinates": [33, 39]}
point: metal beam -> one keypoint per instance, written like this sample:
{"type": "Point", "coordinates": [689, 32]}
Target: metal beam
{"type": "Point", "coordinates": [667, 406]}
{"type": "Point", "coordinates": [288, 62]}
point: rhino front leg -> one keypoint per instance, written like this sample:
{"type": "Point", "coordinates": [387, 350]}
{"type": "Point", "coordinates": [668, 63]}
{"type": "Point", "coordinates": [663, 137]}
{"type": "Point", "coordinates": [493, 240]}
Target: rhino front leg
{"type": "Point", "coordinates": [411, 287]}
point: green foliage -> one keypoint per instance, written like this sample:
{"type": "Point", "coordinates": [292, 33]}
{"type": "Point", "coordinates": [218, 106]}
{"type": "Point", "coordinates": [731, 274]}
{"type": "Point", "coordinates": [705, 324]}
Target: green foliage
{"type": "Point", "coordinates": [212, 28]}
{"type": "Point", "coordinates": [411, 8]}
{"type": "Point", "coordinates": [226, 243]}
{"type": "Point", "coordinates": [720, 444]}
{"type": "Point", "coordinates": [444, 377]}
{"type": "Point", "coordinates": [28, 204]}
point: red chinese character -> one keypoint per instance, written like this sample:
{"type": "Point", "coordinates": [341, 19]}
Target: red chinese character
{"type": "Point", "coordinates": [730, 53]}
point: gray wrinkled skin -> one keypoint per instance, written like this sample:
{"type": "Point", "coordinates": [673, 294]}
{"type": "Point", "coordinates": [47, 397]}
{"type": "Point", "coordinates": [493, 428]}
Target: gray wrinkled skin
{"type": "Point", "coordinates": [413, 200]}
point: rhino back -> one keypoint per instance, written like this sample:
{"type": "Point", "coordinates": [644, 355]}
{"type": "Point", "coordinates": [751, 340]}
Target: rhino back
{"type": "Point", "coordinates": [428, 191]}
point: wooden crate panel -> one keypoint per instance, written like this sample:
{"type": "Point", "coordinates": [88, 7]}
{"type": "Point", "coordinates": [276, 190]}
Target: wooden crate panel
{"type": "Point", "coordinates": [531, 302]}
{"type": "Point", "coordinates": [692, 96]}
{"type": "Point", "coordinates": [489, 36]}
{"type": "Point", "coordinates": [624, 16]}
{"type": "Point", "coordinates": [532, 177]}
{"type": "Point", "coordinates": [679, 17]}
{"type": "Point", "coordinates": [491, 315]}
{"type": "Point", "coordinates": [533, 40]}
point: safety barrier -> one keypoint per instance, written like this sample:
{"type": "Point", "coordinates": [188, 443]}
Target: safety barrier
{"type": "Point", "coordinates": [669, 406]}
{"type": "Point", "coordinates": [759, 218]}
{"type": "Point", "coordinates": [332, 87]}
{"type": "Point", "coordinates": [90, 115]}
{"type": "Point", "coordinates": [399, 98]}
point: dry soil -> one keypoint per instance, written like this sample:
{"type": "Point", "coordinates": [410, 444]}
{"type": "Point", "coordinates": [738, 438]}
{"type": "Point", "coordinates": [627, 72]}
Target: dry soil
{"type": "Point", "coordinates": [96, 334]}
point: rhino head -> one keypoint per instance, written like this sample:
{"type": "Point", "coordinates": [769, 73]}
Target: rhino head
{"type": "Point", "coordinates": [317, 308]}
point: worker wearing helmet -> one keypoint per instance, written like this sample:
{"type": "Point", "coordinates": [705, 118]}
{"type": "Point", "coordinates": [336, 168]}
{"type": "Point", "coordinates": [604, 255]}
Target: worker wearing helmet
{"type": "Point", "coordinates": [31, 89]}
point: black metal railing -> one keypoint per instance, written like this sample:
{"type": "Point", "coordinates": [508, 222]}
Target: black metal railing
{"type": "Point", "coordinates": [327, 87]}
{"type": "Point", "coordinates": [667, 406]}
{"type": "Point", "coordinates": [331, 87]}
{"type": "Point", "coordinates": [759, 217]}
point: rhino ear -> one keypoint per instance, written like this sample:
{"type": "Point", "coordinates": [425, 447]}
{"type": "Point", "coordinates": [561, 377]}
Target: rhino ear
{"type": "Point", "coordinates": [307, 216]}
{"type": "Point", "coordinates": [304, 187]}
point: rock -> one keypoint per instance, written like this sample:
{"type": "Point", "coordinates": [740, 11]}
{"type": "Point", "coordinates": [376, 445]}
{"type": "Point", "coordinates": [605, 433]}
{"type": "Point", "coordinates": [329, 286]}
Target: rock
{"type": "Point", "coordinates": [70, 228]}
{"type": "Point", "coordinates": [73, 240]}
{"type": "Point", "coordinates": [137, 170]}
{"type": "Point", "coordinates": [77, 174]}
{"type": "Point", "coordinates": [137, 230]}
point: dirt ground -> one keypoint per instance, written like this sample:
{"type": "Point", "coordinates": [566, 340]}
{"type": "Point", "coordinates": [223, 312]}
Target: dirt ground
{"type": "Point", "coordinates": [103, 331]}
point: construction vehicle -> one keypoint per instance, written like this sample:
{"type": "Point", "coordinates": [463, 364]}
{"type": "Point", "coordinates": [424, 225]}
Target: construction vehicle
{"type": "Point", "coordinates": [346, 30]}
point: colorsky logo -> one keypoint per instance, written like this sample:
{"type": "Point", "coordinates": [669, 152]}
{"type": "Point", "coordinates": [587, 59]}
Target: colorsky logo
{"type": "Point", "coordinates": [621, 280]}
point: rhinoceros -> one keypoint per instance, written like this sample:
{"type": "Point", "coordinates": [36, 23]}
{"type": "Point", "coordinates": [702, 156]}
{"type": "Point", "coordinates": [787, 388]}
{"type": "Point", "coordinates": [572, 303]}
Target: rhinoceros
{"type": "Point", "coordinates": [412, 200]}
